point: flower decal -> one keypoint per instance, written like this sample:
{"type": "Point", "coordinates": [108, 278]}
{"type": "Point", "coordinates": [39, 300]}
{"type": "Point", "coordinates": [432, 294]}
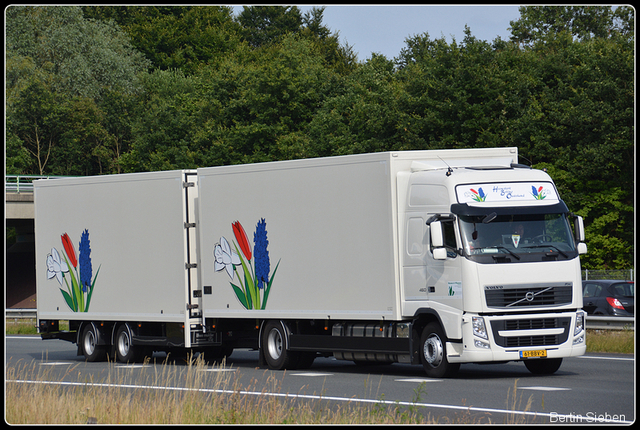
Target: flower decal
{"type": "Point", "coordinates": [478, 196]}
{"type": "Point", "coordinates": [56, 267]}
{"type": "Point", "coordinates": [85, 261]}
{"type": "Point", "coordinates": [241, 237]}
{"type": "Point", "coordinates": [262, 255]}
{"type": "Point", "coordinates": [538, 194]}
{"type": "Point", "coordinates": [79, 283]}
{"type": "Point", "coordinates": [253, 290]}
{"type": "Point", "coordinates": [69, 249]}
{"type": "Point", "coordinates": [225, 258]}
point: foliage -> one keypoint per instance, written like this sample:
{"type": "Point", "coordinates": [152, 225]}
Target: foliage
{"type": "Point", "coordinates": [582, 22]}
{"type": "Point", "coordinates": [109, 89]}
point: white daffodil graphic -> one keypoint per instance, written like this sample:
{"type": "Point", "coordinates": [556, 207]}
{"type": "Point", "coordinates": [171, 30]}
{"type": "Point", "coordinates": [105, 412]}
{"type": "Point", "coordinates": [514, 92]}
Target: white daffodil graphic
{"type": "Point", "coordinates": [225, 258]}
{"type": "Point", "coordinates": [55, 267]}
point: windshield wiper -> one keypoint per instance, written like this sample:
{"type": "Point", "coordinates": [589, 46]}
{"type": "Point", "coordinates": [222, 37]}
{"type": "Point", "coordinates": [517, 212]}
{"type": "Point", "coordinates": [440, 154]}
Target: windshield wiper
{"type": "Point", "coordinates": [564, 254]}
{"type": "Point", "coordinates": [517, 257]}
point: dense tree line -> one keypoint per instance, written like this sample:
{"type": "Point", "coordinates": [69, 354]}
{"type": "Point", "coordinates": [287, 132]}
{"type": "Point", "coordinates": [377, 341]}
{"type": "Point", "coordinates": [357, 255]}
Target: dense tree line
{"type": "Point", "coordinates": [112, 89]}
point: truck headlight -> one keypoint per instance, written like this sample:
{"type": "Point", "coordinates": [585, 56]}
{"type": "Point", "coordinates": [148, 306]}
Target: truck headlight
{"type": "Point", "coordinates": [479, 328]}
{"type": "Point", "coordinates": [579, 323]}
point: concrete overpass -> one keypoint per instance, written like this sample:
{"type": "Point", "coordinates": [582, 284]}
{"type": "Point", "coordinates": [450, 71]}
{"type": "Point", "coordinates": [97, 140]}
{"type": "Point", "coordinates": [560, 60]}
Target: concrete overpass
{"type": "Point", "coordinates": [20, 262]}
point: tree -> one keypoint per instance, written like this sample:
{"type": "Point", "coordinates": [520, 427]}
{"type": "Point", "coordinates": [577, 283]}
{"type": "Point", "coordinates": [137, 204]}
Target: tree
{"type": "Point", "coordinates": [36, 123]}
{"type": "Point", "coordinates": [165, 122]}
{"type": "Point", "coordinates": [462, 94]}
{"type": "Point", "coordinates": [60, 66]}
{"type": "Point", "coordinates": [364, 115]}
{"type": "Point", "coordinates": [83, 58]}
{"type": "Point", "coordinates": [582, 22]}
{"type": "Point", "coordinates": [262, 25]}
{"type": "Point", "coordinates": [175, 37]}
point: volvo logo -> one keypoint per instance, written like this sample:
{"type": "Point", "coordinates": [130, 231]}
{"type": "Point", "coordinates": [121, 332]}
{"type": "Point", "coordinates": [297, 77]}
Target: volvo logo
{"type": "Point", "coordinates": [529, 296]}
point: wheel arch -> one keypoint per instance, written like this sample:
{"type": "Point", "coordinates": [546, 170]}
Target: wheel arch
{"type": "Point", "coordinates": [99, 329]}
{"type": "Point", "coordinates": [285, 327]}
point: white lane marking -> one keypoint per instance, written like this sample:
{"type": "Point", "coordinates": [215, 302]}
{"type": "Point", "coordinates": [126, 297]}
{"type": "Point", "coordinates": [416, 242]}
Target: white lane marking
{"type": "Point", "coordinates": [132, 366]}
{"type": "Point", "coordinates": [57, 363]}
{"type": "Point", "coordinates": [23, 337]}
{"type": "Point", "coordinates": [418, 380]}
{"type": "Point", "coordinates": [545, 388]}
{"type": "Point", "coordinates": [217, 370]}
{"type": "Point", "coordinates": [312, 374]}
{"type": "Point", "coordinates": [606, 358]}
{"type": "Point", "coordinates": [314, 397]}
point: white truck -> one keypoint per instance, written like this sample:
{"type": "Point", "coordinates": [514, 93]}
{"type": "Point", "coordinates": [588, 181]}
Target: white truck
{"type": "Point", "coordinates": [436, 257]}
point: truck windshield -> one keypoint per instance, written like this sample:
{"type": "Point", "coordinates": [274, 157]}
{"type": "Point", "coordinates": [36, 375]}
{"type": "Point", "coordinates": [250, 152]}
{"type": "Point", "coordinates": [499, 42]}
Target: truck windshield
{"type": "Point", "coordinates": [518, 236]}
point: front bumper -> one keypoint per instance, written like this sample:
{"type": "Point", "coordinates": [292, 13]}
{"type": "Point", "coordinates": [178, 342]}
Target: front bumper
{"type": "Point", "coordinates": [507, 336]}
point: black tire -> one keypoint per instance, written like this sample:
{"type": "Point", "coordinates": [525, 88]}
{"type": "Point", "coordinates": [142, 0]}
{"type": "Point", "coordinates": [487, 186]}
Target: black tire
{"type": "Point", "coordinates": [433, 353]}
{"type": "Point", "coordinates": [126, 351]}
{"type": "Point", "coordinates": [274, 347]}
{"type": "Point", "coordinates": [543, 366]}
{"type": "Point", "coordinates": [91, 350]}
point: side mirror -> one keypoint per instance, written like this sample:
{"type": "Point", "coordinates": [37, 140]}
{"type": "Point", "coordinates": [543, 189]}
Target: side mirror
{"type": "Point", "coordinates": [437, 241]}
{"type": "Point", "coordinates": [439, 254]}
{"type": "Point", "coordinates": [580, 236]}
{"type": "Point", "coordinates": [579, 226]}
{"type": "Point", "coordinates": [582, 248]}
{"type": "Point", "coordinates": [437, 238]}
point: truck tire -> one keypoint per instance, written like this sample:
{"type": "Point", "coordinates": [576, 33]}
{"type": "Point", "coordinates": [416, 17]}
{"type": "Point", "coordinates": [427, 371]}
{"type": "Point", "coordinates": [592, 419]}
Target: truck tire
{"type": "Point", "coordinates": [90, 348]}
{"type": "Point", "coordinates": [126, 352]}
{"type": "Point", "coordinates": [274, 347]}
{"type": "Point", "coordinates": [434, 353]}
{"type": "Point", "coordinates": [543, 366]}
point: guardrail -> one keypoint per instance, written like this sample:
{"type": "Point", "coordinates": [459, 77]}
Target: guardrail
{"type": "Point", "coordinates": [597, 322]}
{"type": "Point", "coordinates": [20, 313]}
{"type": "Point", "coordinates": [593, 322]}
{"type": "Point", "coordinates": [23, 183]}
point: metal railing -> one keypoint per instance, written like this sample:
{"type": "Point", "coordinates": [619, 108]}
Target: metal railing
{"type": "Point", "coordinates": [622, 274]}
{"type": "Point", "coordinates": [23, 183]}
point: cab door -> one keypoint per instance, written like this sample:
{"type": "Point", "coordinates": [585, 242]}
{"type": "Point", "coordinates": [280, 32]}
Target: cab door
{"type": "Point", "coordinates": [444, 274]}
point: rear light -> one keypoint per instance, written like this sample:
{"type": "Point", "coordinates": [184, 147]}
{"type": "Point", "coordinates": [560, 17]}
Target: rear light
{"type": "Point", "coordinates": [615, 303]}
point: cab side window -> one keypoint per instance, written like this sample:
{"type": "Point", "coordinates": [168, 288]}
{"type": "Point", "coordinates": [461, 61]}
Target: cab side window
{"type": "Point", "coordinates": [449, 238]}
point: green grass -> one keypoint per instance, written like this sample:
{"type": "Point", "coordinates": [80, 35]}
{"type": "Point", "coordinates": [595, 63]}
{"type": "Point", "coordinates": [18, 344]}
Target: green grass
{"type": "Point", "coordinates": [614, 341]}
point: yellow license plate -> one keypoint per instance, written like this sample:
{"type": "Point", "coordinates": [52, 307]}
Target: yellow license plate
{"type": "Point", "coordinates": [534, 353]}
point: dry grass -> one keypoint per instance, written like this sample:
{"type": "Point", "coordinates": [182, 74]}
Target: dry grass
{"type": "Point", "coordinates": [208, 398]}
{"type": "Point", "coordinates": [218, 398]}
{"type": "Point", "coordinates": [188, 394]}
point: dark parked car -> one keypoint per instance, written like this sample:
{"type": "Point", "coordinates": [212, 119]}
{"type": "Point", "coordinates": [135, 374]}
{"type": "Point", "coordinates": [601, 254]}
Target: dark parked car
{"type": "Point", "coordinates": [609, 297]}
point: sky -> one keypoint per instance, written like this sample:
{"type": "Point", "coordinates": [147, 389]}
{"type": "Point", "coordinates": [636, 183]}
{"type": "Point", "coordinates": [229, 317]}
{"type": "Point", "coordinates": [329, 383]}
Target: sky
{"type": "Point", "coordinates": [383, 29]}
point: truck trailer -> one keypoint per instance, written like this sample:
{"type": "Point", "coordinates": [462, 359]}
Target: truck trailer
{"type": "Point", "coordinates": [435, 257]}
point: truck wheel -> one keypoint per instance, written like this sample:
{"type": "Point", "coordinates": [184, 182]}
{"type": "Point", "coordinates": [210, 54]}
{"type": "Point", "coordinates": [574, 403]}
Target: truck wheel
{"type": "Point", "coordinates": [125, 350]}
{"type": "Point", "coordinates": [543, 366]}
{"type": "Point", "coordinates": [274, 348]}
{"type": "Point", "coordinates": [434, 353]}
{"type": "Point", "coordinates": [90, 348]}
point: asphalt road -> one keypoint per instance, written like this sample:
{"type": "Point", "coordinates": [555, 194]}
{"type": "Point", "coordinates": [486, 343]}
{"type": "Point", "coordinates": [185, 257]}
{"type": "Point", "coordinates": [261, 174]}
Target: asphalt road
{"type": "Point", "coordinates": [595, 388]}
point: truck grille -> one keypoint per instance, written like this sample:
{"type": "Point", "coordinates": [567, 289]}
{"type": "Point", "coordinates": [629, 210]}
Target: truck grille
{"type": "Point", "coordinates": [523, 296]}
{"type": "Point", "coordinates": [531, 324]}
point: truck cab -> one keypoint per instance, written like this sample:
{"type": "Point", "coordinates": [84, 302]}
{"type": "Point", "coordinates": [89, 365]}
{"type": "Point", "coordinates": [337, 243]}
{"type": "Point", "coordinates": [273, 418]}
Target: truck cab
{"type": "Point", "coordinates": [488, 249]}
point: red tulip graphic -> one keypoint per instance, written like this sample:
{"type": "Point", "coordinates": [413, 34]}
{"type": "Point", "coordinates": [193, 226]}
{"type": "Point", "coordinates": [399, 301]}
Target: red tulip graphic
{"type": "Point", "coordinates": [241, 237]}
{"type": "Point", "coordinates": [68, 247]}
